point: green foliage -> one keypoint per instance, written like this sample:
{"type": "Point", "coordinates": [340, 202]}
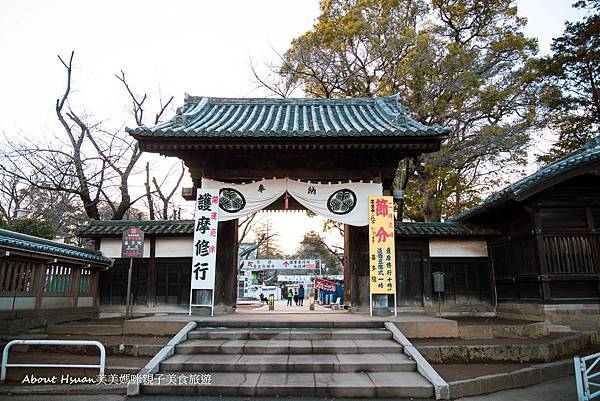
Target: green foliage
{"type": "Point", "coordinates": [313, 246]}
{"type": "Point", "coordinates": [30, 226]}
{"type": "Point", "coordinates": [570, 78]}
{"type": "Point", "coordinates": [459, 63]}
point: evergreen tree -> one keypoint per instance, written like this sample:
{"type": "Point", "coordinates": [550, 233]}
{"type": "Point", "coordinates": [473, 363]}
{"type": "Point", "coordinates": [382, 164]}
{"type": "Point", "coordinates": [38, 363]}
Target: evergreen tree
{"type": "Point", "coordinates": [571, 76]}
{"type": "Point", "coordinates": [463, 64]}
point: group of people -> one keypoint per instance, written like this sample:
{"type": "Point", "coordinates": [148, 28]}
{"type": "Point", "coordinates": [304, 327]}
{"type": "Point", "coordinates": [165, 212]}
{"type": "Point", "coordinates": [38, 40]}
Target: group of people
{"type": "Point", "coordinates": [296, 295]}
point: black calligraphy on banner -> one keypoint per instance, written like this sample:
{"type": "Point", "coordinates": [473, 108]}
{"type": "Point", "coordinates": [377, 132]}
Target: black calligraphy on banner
{"type": "Point", "coordinates": [205, 239]}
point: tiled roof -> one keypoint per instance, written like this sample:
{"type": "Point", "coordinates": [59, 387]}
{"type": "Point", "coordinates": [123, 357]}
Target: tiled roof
{"type": "Point", "coordinates": [111, 228]}
{"type": "Point", "coordinates": [302, 118]}
{"type": "Point", "coordinates": [442, 229]}
{"type": "Point", "coordinates": [588, 154]}
{"type": "Point", "coordinates": [13, 240]}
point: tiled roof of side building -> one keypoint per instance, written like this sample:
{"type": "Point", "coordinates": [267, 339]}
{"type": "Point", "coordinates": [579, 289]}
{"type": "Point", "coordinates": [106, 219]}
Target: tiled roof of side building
{"type": "Point", "coordinates": [29, 243]}
{"type": "Point", "coordinates": [588, 155]}
{"type": "Point", "coordinates": [442, 229]}
{"type": "Point", "coordinates": [112, 228]}
{"type": "Point", "coordinates": [290, 118]}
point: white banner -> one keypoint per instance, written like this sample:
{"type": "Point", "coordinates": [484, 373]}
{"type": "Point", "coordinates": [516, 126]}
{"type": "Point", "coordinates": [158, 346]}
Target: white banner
{"type": "Point", "coordinates": [278, 264]}
{"type": "Point", "coordinates": [204, 254]}
{"type": "Point", "coordinates": [345, 203]}
{"type": "Point", "coordinates": [239, 200]}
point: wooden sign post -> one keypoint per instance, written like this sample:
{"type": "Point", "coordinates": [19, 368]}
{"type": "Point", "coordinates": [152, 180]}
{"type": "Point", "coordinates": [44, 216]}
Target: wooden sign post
{"type": "Point", "coordinates": [132, 246]}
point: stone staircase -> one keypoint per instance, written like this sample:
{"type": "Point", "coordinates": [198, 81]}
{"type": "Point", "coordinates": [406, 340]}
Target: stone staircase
{"type": "Point", "coordinates": [361, 360]}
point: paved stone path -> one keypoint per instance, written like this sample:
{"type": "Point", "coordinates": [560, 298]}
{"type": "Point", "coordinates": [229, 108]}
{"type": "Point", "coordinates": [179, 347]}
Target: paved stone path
{"type": "Point", "coordinates": [283, 308]}
{"type": "Point", "coordinates": [556, 390]}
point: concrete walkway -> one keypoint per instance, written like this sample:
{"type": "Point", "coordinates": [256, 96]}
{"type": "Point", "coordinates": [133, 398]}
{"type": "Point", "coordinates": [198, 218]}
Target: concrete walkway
{"type": "Point", "coordinates": [281, 307]}
{"type": "Point", "coordinates": [556, 390]}
{"type": "Point", "coordinates": [412, 325]}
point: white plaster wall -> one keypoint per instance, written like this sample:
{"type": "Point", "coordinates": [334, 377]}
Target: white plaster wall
{"type": "Point", "coordinates": [85, 302]}
{"type": "Point", "coordinates": [467, 248]}
{"type": "Point", "coordinates": [174, 247]}
{"type": "Point", "coordinates": [111, 247]}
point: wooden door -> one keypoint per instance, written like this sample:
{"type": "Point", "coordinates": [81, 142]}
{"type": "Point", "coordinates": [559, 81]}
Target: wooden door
{"type": "Point", "coordinates": [409, 278]}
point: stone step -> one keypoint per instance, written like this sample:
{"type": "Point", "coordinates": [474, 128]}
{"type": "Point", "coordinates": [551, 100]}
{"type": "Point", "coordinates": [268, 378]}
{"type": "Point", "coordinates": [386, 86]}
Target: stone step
{"type": "Point", "coordinates": [223, 346]}
{"type": "Point", "coordinates": [392, 362]}
{"type": "Point", "coordinates": [310, 324]}
{"type": "Point", "coordinates": [289, 334]}
{"type": "Point", "coordinates": [355, 385]}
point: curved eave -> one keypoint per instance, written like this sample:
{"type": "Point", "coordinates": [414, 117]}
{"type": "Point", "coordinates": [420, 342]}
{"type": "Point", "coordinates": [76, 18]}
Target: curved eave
{"type": "Point", "coordinates": [96, 261]}
{"type": "Point", "coordinates": [530, 189]}
{"type": "Point", "coordinates": [430, 143]}
{"type": "Point", "coordinates": [432, 132]}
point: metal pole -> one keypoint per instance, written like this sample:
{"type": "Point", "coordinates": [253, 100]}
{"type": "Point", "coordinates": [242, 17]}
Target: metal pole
{"type": "Point", "coordinates": [191, 291]}
{"type": "Point", "coordinates": [579, 372]}
{"type": "Point", "coordinates": [8, 346]}
{"type": "Point", "coordinates": [370, 304]}
{"type": "Point", "coordinates": [212, 303]}
{"type": "Point", "coordinates": [128, 309]}
{"type": "Point", "coordinates": [395, 306]}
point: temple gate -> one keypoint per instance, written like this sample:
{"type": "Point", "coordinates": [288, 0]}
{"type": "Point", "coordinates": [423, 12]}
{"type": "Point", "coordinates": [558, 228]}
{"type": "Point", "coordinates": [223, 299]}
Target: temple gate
{"type": "Point", "coordinates": [318, 140]}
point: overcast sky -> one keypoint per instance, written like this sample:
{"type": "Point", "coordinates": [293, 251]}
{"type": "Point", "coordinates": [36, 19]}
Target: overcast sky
{"type": "Point", "coordinates": [165, 47]}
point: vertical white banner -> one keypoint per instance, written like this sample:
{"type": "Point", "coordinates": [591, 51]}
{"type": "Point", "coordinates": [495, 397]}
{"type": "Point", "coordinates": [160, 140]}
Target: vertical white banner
{"type": "Point", "coordinates": [204, 256]}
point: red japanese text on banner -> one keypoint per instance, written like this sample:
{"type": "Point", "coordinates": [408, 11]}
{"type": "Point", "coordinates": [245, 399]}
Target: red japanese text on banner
{"type": "Point", "coordinates": [382, 267]}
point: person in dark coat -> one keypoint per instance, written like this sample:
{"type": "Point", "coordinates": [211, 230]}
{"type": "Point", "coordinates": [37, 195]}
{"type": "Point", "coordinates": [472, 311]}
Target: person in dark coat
{"type": "Point", "coordinates": [301, 295]}
{"type": "Point", "coordinates": [296, 297]}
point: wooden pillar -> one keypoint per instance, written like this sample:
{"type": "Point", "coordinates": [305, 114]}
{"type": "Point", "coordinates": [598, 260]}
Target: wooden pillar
{"type": "Point", "coordinates": [544, 284]}
{"type": "Point", "coordinates": [226, 269]}
{"type": "Point", "coordinates": [358, 261]}
{"type": "Point", "coordinates": [38, 284]}
{"type": "Point", "coordinates": [75, 285]}
{"type": "Point", "coordinates": [151, 275]}
{"type": "Point", "coordinates": [347, 271]}
{"type": "Point", "coordinates": [95, 287]}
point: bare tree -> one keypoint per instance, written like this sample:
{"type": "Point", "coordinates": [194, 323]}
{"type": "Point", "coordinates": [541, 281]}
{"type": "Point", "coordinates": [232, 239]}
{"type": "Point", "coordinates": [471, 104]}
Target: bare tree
{"type": "Point", "coordinates": [274, 82]}
{"type": "Point", "coordinates": [89, 161]}
{"type": "Point", "coordinates": [246, 226]}
{"type": "Point", "coordinates": [12, 196]}
{"type": "Point", "coordinates": [149, 198]}
{"type": "Point", "coordinates": [165, 198]}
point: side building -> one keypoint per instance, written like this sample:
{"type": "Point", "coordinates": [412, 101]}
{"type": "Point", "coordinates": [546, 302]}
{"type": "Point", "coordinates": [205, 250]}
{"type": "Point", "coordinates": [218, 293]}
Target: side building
{"type": "Point", "coordinates": [547, 258]}
{"type": "Point", "coordinates": [161, 278]}
{"type": "Point", "coordinates": [43, 281]}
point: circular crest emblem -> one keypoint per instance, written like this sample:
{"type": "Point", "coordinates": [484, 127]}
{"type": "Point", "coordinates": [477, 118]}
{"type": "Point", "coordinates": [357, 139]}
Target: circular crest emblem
{"type": "Point", "coordinates": [231, 200]}
{"type": "Point", "coordinates": [342, 201]}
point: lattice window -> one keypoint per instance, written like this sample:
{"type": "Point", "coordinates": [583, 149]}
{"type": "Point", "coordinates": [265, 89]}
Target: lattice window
{"type": "Point", "coordinates": [569, 254]}
{"type": "Point", "coordinates": [58, 280]}
{"type": "Point", "coordinates": [16, 276]}
{"type": "Point", "coordinates": [85, 282]}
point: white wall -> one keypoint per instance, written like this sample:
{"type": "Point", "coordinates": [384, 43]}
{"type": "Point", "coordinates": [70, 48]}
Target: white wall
{"type": "Point", "coordinates": [165, 247]}
{"type": "Point", "coordinates": [111, 247]}
{"type": "Point", "coordinates": [467, 248]}
{"type": "Point", "coordinates": [174, 247]}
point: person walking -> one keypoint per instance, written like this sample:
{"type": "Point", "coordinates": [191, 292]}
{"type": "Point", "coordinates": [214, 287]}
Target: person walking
{"type": "Point", "coordinates": [290, 295]}
{"type": "Point", "coordinates": [296, 297]}
{"type": "Point", "coordinates": [301, 295]}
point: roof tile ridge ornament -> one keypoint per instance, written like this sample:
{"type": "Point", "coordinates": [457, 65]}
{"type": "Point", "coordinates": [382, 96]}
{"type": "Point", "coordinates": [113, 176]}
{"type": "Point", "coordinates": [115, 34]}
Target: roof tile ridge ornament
{"type": "Point", "coordinates": [402, 116]}
{"type": "Point", "coordinates": [592, 143]}
{"type": "Point", "coordinates": [185, 117]}
{"type": "Point", "coordinates": [395, 117]}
